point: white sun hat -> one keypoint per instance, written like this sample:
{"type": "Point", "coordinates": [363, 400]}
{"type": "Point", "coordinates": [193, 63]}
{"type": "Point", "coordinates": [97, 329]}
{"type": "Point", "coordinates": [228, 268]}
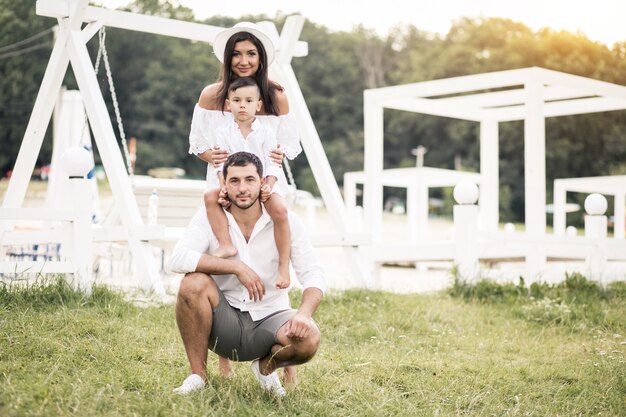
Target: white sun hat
{"type": "Point", "coordinates": [219, 43]}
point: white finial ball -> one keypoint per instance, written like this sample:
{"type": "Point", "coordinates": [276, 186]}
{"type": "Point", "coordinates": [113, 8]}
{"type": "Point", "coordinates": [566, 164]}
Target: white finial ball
{"type": "Point", "coordinates": [571, 231]}
{"type": "Point", "coordinates": [595, 204]}
{"type": "Point", "coordinates": [76, 162]}
{"type": "Point", "coordinates": [466, 192]}
{"type": "Point", "coordinates": [509, 227]}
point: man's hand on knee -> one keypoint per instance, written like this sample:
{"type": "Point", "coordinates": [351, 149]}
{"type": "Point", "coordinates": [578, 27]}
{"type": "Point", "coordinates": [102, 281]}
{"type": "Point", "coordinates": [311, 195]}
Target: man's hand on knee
{"type": "Point", "coordinates": [300, 326]}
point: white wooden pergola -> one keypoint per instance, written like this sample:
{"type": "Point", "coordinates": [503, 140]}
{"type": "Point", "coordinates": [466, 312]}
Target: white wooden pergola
{"type": "Point", "coordinates": [70, 49]}
{"type": "Point", "coordinates": [528, 94]}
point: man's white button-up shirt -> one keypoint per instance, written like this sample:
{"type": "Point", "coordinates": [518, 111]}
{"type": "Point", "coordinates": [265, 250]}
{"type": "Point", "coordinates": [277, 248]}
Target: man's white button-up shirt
{"type": "Point", "coordinates": [259, 253]}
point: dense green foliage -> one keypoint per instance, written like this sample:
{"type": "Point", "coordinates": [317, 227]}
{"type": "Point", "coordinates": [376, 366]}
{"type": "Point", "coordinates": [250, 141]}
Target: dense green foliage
{"type": "Point", "coordinates": [66, 354]}
{"type": "Point", "coordinates": [158, 81]}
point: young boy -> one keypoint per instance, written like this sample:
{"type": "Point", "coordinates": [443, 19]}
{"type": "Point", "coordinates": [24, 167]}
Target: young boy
{"type": "Point", "coordinates": [248, 134]}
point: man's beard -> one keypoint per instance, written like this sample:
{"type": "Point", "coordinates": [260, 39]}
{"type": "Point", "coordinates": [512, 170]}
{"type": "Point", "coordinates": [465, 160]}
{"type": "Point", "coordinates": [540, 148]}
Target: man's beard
{"type": "Point", "coordinates": [243, 206]}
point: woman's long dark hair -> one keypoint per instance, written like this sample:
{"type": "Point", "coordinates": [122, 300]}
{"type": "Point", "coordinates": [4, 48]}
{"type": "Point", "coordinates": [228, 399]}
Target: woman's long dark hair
{"type": "Point", "coordinates": [267, 88]}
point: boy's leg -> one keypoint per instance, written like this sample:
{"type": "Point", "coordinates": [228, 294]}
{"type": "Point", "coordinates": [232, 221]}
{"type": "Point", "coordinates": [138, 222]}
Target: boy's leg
{"type": "Point", "coordinates": [289, 375]}
{"type": "Point", "coordinates": [277, 210]}
{"type": "Point", "coordinates": [219, 224]}
{"type": "Point", "coordinates": [225, 367]}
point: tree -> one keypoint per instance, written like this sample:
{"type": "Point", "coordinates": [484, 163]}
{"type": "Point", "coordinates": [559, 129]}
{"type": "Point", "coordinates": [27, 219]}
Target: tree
{"type": "Point", "coordinates": [22, 65]}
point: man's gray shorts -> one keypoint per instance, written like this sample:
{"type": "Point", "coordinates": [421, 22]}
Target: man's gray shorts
{"type": "Point", "coordinates": [235, 336]}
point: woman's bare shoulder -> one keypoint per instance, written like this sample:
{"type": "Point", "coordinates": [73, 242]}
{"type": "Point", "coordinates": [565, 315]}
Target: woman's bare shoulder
{"type": "Point", "coordinates": [281, 101]}
{"type": "Point", "coordinates": [208, 97]}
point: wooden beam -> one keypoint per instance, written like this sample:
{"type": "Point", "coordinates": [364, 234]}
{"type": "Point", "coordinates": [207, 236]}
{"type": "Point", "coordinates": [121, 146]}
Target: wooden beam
{"type": "Point", "coordinates": [143, 23]}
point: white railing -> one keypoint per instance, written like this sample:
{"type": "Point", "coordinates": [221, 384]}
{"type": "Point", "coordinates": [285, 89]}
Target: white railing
{"type": "Point", "coordinates": [534, 257]}
{"type": "Point", "coordinates": [69, 228]}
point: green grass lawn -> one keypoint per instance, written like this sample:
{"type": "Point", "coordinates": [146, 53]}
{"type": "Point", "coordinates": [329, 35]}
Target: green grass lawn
{"type": "Point", "coordinates": [382, 355]}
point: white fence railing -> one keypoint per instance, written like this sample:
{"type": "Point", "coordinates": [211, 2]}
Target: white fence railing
{"type": "Point", "coordinates": [543, 257]}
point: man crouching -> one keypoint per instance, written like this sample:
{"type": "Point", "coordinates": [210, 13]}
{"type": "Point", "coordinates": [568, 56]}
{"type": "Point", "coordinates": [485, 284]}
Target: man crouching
{"type": "Point", "coordinates": [232, 306]}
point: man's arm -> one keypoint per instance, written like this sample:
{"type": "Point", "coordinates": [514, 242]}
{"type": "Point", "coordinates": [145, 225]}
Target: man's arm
{"type": "Point", "coordinates": [212, 265]}
{"type": "Point", "coordinates": [190, 256]}
{"type": "Point", "coordinates": [303, 257]}
{"type": "Point", "coordinates": [311, 277]}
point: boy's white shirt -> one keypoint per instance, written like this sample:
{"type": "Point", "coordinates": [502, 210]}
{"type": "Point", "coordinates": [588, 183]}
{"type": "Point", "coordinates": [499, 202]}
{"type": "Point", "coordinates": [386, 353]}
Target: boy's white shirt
{"type": "Point", "coordinates": [205, 123]}
{"type": "Point", "coordinates": [260, 141]}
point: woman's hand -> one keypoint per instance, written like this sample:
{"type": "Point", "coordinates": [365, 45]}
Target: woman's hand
{"type": "Point", "coordinates": [218, 155]}
{"type": "Point", "coordinates": [276, 155]}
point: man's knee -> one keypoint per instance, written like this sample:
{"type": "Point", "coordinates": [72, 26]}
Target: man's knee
{"type": "Point", "coordinates": [307, 347]}
{"type": "Point", "coordinates": [198, 285]}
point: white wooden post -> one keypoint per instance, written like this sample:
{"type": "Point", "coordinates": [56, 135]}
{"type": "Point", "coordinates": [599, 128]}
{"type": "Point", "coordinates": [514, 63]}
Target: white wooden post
{"type": "Point", "coordinates": [466, 231]}
{"type": "Point", "coordinates": [596, 229]}
{"type": "Point", "coordinates": [559, 214]}
{"type": "Point", "coordinates": [76, 163]}
{"type": "Point", "coordinates": [535, 174]}
{"type": "Point", "coordinates": [619, 215]}
{"type": "Point", "coordinates": [373, 161]}
{"type": "Point", "coordinates": [82, 252]}
{"type": "Point", "coordinates": [422, 208]}
{"type": "Point", "coordinates": [373, 167]}
{"type": "Point", "coordinates": [489, 170]}
{"type": "Point", "coordinates": [349, 198]}
{"type": "Point", "coordinates": [417, 208]}
{"type": "Point", "coordinates": [535, 159]}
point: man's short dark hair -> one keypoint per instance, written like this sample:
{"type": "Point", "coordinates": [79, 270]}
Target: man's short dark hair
{"type": "Point", "coordinates": [241, 159]}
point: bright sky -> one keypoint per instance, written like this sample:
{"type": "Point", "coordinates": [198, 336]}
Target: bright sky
{"type": "Point", "coordinates": [599, 20]}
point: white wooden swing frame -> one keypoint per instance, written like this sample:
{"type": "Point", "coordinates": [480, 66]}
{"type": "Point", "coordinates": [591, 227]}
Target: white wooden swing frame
{"type": "Point", "coordinates": [70, 48]}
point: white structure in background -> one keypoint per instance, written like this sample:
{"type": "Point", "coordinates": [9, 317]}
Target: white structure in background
{"type": "Point", "coordinates": [595, 256]}
{"type": "Point", "coordinates": [466, 230]}
{"type": "Point", "coordinates": [70, 48]}
{"type": "Point", "coordinates": [529, 94]}
{"type": "Point", "coordinates": [614, 185]}
{"type": "Point", "coordinates": [417, 181]}
{"type": "Point", "coordinates": [69, 128]}
{"type": "Point", "coordinates": [69, 225]}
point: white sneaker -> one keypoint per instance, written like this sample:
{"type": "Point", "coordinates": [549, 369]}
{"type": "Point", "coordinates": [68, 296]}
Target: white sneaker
{"type": "Point", "coordinates": [268, 382]}
{"type": "Point", "coordinates": [192, 383]}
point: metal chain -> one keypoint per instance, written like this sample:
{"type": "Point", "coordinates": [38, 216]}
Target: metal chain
{"type": "Point", "coordinates": [118, 117]}
{"type": "Point", "coordinates": [102, 55]}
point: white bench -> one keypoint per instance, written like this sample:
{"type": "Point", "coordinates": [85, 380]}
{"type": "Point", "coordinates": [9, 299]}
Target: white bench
{"type": "Point", "coordinates": [179, 199]}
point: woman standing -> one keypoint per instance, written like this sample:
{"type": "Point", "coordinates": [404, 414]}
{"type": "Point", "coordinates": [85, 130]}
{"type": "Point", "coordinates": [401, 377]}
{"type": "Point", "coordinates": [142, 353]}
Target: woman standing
{"type": "Point", "coordinates": [244, 51]}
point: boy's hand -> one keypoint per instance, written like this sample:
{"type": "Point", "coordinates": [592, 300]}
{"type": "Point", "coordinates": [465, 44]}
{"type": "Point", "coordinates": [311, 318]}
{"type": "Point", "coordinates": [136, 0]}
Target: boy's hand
{"type": "Point", "coordinates": [223, 199]}
{"type": "Point", "coordinates": [276, 155]}
{"type": "Point", "coordinates": [218, 155]}
{"type": "Point", "coordinates": [266, 191]}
